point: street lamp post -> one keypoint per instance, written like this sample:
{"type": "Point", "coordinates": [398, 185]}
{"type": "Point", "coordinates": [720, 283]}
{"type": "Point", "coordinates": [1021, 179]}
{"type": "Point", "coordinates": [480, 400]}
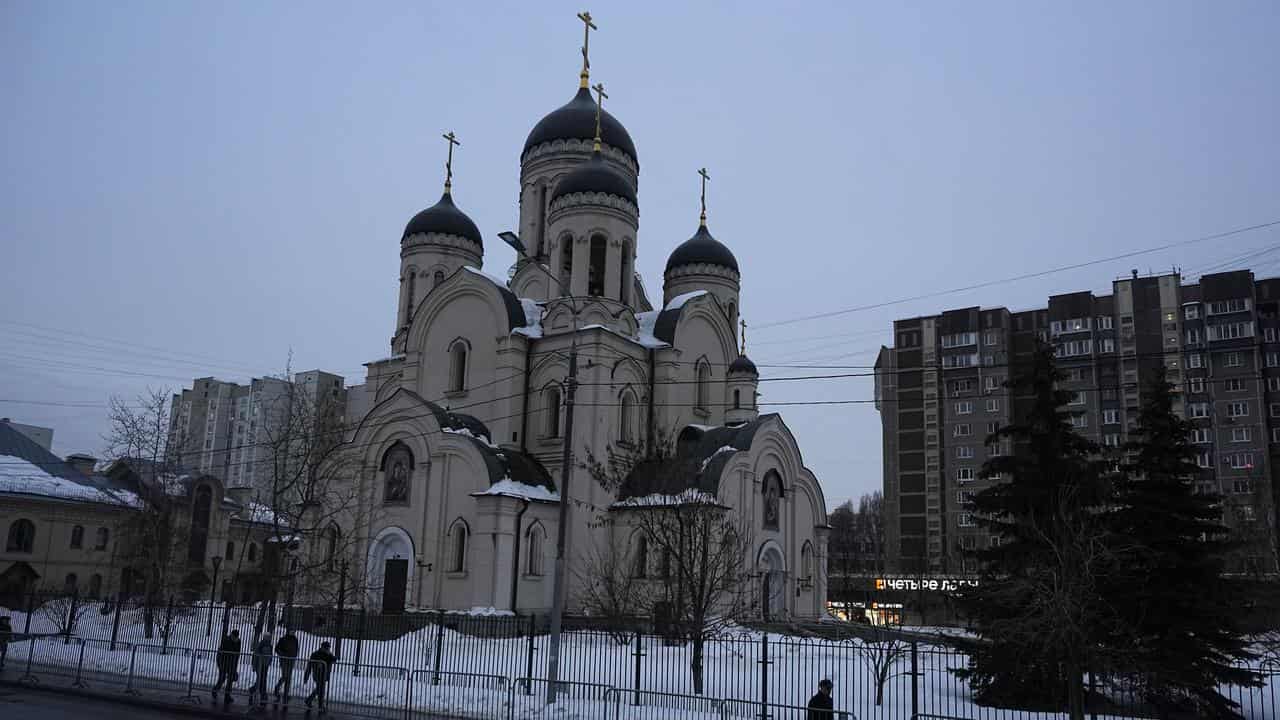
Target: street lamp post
{"type": "Point", "coordinates": [566, 461]}
{"type": "Point", "coordinates": [213, 589]}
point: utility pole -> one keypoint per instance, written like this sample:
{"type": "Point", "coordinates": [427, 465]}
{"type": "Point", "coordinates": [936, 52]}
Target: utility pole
{"type": "Point", "coordinates": [562, 567]}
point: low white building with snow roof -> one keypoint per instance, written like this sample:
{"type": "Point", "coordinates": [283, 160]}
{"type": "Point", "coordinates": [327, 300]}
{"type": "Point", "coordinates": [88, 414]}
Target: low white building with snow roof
{"type": "Point", "coordinates": [463, 425]}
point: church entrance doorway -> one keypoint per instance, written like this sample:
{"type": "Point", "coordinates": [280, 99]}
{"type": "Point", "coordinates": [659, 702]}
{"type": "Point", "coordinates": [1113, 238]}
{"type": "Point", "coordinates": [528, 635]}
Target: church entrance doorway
{"type": "Point", "coordinates": [773, 580]}
{"type": "Point", "coordinates": [394, 584]}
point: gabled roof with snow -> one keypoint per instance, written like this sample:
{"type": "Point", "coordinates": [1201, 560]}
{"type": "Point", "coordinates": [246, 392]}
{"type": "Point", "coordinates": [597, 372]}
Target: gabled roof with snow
{"type": "Point", "coordinates": [29, 469]}
{"type": "Point", "coordinates": [701, 454]}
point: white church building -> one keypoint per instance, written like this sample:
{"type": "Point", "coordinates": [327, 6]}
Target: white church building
{"type": "Point", "coordinates": [462, 440]}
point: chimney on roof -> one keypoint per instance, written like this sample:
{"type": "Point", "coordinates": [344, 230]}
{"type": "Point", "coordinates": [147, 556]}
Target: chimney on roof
{"type": "Point", "coordinates": [82, 462]}
{"type": "Point", "coordinates": [1135, 273]}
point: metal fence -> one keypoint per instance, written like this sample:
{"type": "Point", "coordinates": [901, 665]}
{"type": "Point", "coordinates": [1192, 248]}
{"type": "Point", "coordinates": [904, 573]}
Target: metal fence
{"type": "Point", "coordinates": [463, 665]}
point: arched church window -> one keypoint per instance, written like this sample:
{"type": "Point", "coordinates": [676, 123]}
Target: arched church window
{"type": "Point", "coordinates": [331, 552]}
{"type": "Point", "coordinates": [413, 284]}
{"type": "Point", "coordinates": [231, 551]}
{"type": "Point", "coordinates": [624, 276]}
{"type": "Point", "coordinates": [95, 586]}
{"type": "Point", "coordinates": [737, 399]}
{"type": "Point", "coordinates": [253, 553]}
{"type": "Point", "coordinates": [77, 536]}
{"type": "Point", "coordinates": [458, 546]}
{"type": "Point", "coordinates": [702, 396]}
{"type": "Point", "coordinates": [534, 540]}
{"type": "Point", "coordinates": [70, 584]}
{"type": "Point", "coordinates": [641, 567]}
{"type": "Point", "coordinates": [200, 510]}
{"type": "Point", "coordinates": [566, 264]}
{"type": "Point", "coordinates": [772, 491]}
{"type": "Point", "coordinates": [626, 417]}
{"type": "Point", "coordinates": [733, 314]}
{"type": "Point", "coordinates": [397, 469]}
{"type": "Point", "coordinates": [103, 536]}
{"type": "Point", "coordinates": [458, 366]}
{"type": "Point", "coordinates": [595, 269]}
{"type": "Point", "coordinates": [806, 561]}
{"type": "Point", "coordinates": [551, 402]}
{"type": "Point", "coordinates": [437, 278]}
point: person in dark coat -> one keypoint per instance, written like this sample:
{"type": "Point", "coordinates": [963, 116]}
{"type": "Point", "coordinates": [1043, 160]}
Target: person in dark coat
{"type": "Point", "coordinates": [318, 669]}
{"type": "Point", "coordinates": [261, 667]}
{"type": "Point", "coordinates": [6, 634]}
{"type": "Point", "coordinates": [820, 705]}
{"type": "Point", "coordinates": [287, 653]}
{"type": "Point", "coordinates": [228, 659]}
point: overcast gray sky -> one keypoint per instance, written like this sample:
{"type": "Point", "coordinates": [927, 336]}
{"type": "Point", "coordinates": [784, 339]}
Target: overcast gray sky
{"type": "Point", "coordinates": [195, 188]}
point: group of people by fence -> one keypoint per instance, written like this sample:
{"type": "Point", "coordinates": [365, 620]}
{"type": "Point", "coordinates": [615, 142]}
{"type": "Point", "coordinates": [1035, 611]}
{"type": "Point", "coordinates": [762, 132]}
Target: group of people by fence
{"type": "Point", "coordinates": [318, 671]}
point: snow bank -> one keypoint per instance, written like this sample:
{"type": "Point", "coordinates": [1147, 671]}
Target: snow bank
{"type": "Point", "coordinates": [20, 476]}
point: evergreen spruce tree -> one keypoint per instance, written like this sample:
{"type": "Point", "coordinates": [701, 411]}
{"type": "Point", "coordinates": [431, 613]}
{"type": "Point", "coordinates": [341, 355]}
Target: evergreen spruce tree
{"type": "Point", "coordinates": [1178, 615]}
{"type": "Point", "coordinates": [1036, 608]}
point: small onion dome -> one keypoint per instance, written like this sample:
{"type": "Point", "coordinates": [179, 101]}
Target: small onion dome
{"type": "Point", "coordinates": [445, 218]}
{"type": "Point", "coordinates": [702, 248]}
{"type": "Point", "coordinates": [595, 176]}
{"type": "Point", "coordinates": [577, 121]}
{"type": "Point", "coordinates": [743, 365]}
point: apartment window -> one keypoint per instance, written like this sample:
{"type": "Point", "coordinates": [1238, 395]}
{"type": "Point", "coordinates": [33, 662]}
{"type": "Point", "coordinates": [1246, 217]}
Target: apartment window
{"type": "Point", "coordinates": [964, 452]}
{"type": "Point", "coordinates": [1077, 374]}
{"type": "Point", "coordinates": [1240, 461]}
{"type": "Point", "coordinates": [1237, 408]}
{"type": "Point", "coordinates": [964, 497]}
{"type": "Point", "coordinates": [988, 360]}
{"type": "Point", "coordinates": [991, 383]}
{"type": "Point", "coordinates": [965, 520]}
{"type": "Point", "coordinates": [1275, 435]}
{"type": "Point", "coordinates": [991, 337]}
{"type": "Point", "coordinates": [959, 339]}
{"type": "Point", "coordinates": [1231, 360]}
{"type": "Point", "coordinates": [1107, 345]}
{"type": "Point", "coordinates": [995, 449]}
{"type": "Point", "coordinates": [1239, 435]}
{"type": "Point", "coordinates": [1111, 440]}
{"type": "Point", "coordinates": [1204, 459]}
{"type": "Point", "coordinates": [1234, 385]}
{"type": "Point", "coordinates": [961, 386]}
{"type": "Point", "coordinates": [1245, 512]}
{"type": "Point", "coordinates": [1126, 319]}
{"type": "Point", "coordinates": [1230, 331]}
{"type": "Point", "coordinates": [1198, 410]}
{"type": "Point", "coordinates": [1218, 307]}
{"type": "Point", "coordinates": [1110, 393]}
{"type": "Point", "coordinates": [1273, 384]}
{"type": "Point", "coordinates": [1191, 312]}
{"type": "Point", "coordinates": [1275, 410]}
{"type": "Point", "coordinates": [1193, 336]}
{"type": "Point", "coordinates": [1200, 435]}
{"type": "Point", "coordinates": [1079, 420]}
{"type": "Point", "coordinates": [964, 407]}
{"type": "Point", "coordinates": [1195, 360]}
{"type": "Point", "coordinates": [1273, 359]}
{"type": "Point", "coordinates": [993, 405]}
{"type": "Point", "coordinates": [1110, 417]}
{"type": "Point", "coordinates": [993, 427]}
{"type": "Point", "coordinates": [1073, 348]}
{"type": "Point", "coordinates": [1104, 322]}
{"type": "Point", "coordinates": [962, 430]}
{"type": "Point", "coordinates": [1269, 334]}
{"type": "Point", "coordinates": [1197, 385]}
{"type": "Point", "coordinates": [959, 361]}
{"type": "Point", "coordinates": [1077, 398]}
{"type": "Point", "coordinates": [964, 474]}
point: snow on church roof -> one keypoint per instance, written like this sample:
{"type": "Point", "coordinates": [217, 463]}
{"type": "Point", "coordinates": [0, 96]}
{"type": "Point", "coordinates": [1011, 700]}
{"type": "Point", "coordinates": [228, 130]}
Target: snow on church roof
{"type": "Point", "coordinates": [22, 477]}
{"type": "Point", "coordinates": [510, 488]}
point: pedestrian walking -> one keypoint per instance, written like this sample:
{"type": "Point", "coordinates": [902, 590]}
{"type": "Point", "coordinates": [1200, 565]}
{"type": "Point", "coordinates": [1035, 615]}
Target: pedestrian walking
{"type": "Point", "coordinates": [318, 669]}
{"type": "Point", "coordinates": [228, 660]}
{"type": "Point", "coordinates": [820, 706]}
{"type": "Point", "coordinates": [261, 667]}
{"type": "Point", "coordinates": [287, 653]}
{"type": "Point", "coordinates": [6, 633]}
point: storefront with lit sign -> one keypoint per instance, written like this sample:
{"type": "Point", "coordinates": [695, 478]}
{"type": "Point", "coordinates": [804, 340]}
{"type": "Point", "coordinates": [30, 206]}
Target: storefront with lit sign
{"type": "Point", "coordinates": [897, 600]}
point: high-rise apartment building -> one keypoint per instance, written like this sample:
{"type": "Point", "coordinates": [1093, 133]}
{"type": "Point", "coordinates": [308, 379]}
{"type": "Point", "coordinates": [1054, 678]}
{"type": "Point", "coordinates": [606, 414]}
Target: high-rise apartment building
{"type": "Point", "coordinates": [940, 392]}
{"type": "Point", "coordinates": [225, 428]}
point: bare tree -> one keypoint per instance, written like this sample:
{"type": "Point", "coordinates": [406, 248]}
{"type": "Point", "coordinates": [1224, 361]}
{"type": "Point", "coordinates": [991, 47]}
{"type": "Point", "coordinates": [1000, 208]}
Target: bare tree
{"type": "Point", "coordinates": [154, 538]}
{"type": "Point", "coordinates": [881, 655]}
{"type": "Point", "coordinates": [613, 587]}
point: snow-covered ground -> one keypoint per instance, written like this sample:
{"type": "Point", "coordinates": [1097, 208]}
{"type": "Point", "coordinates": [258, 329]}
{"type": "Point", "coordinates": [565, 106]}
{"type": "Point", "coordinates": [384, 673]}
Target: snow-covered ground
{"type": "Point", "coordinates": [478, 674]}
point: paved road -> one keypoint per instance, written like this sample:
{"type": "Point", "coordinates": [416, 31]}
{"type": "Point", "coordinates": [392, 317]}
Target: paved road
{"type": "Point", "coordinates": [43, 705]}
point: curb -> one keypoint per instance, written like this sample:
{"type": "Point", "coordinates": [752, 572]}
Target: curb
{"type": "Point", "coordinates": [134, 700]}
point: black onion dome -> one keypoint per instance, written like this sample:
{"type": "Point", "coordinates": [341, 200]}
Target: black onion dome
{"type": "Point", "coordinates": [576, 120]}
{"type": "Point", "coordinates": [702, 248]}
{"type": "Point", "coordinates": [595, 176]}
{"type": "Point", "coordinates": [445, 218]}
{"type": "Point", "coordinates": [743, 364]}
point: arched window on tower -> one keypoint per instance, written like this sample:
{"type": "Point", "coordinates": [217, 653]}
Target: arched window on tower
{"type": "Point", "coordinates": [737, 399]}
{"type": "Point", "coordinates": [458, 546]}
{"type": "Point", "coordinates": [702, 395]}
{"type": "Point", "coordinates": [595, 269]}
{"type": "Point", "coordinates": [733, 315]}
{"type": "Point", "coordinates": [199, 537]}
{"type": "Point", "coordinates": [231, 551]}
{"type": "Point", "coordinates": [411, 294]}
{"type": "Point", "coordinates": [624, 276]}
{"type": "Point", "coordinates": [626, 417]}
{"type": "Point", "coordinates": [437, 278]}
{"type": "Point", "coordinates": [458, 366]}
{"type": "Point", "coordinates": [566, 264]}
{"type": "Point", "coordinates": [551, 404]}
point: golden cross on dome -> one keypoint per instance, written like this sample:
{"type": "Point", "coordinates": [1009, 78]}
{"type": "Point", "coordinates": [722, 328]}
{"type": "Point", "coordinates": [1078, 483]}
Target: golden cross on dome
{"type": "Point", "coordinates": [743, 323]}
{"type": "Point", "coordinates": [705, 178]}
{"type": "Point", "coordinates": [600, 97]}
{"type": "Point", "coordinates": [587, 26]}
{"type": "Point", "coordinates": [448, 164]}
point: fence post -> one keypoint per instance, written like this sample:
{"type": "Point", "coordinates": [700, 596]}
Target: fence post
{"type": "Point", "coordinates": [639, 653]}
{"type": "Point", "coordinates": [31, 609]}
{"type": "Point", "coordinates": [79, 682]}
{"type": "Point", "coordinates": [71, 617]}
{"type": "Point", "coordinates": [764, 676]}
{"type": "Point", "coordinates": [115, 622]}
{"type": "Point", "coordinates": [1093, 714]}
{"type": "Point", "coordinates": [360, 642]}
{"type": "Point", "coordinates": [226, 622]}
{"type": "Point", "coordinates": [915, 681]}
{"type": "Point", "coordinates": [128, 688]}
{"type": "Point", "coordinates": [191, 682]}
{"type": "Point", "coordinates": [168, 624]}
{"type": "Point", "coordinates": [435, 661]}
